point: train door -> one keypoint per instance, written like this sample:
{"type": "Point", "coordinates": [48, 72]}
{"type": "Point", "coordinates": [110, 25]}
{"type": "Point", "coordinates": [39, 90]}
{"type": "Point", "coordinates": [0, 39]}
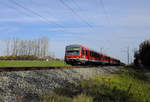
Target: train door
{"type": "Point", "coordinates": [83, 53]}
{"type": "Point", "coordinates": [86, 54]}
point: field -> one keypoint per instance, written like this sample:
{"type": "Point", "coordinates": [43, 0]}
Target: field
{"type": "Point", "coordinates": [126, 85]}
{"type": "Point", "coordinates": [17, 63]}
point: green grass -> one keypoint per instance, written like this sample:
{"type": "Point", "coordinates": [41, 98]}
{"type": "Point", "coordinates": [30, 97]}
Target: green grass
{"type": "Point", "coordinates": [79, 98]}
{"type": "Point", "coordinates": [21, 63]}
{"type": "Point", "coordinates": [127, 85]}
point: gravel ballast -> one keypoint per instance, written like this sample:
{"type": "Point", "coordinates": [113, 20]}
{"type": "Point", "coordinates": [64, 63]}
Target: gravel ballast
{"type": "Point", "coordinates": [31, 86]}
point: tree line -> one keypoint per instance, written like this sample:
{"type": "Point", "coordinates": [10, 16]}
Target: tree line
{"type": "Point", "coordinates": [27, 49]}
{"type": "Point", "coordinates": [142, 56]}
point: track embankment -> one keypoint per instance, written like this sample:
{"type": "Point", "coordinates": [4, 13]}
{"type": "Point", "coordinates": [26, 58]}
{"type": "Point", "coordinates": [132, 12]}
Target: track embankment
{"type": "Point", "coordinates": [17, 86]}
{"type": "Point", "coordinates": [9, 69]}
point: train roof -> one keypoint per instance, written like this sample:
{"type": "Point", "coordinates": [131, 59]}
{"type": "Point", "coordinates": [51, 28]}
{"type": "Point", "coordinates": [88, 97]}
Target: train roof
{"type": "Point", "coordinates": [74, 45]}
{"type": "Point", "coordinates": [77, 45]}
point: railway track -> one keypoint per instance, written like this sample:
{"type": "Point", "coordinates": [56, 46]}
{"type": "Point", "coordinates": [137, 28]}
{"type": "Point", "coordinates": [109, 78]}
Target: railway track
{"type": "Point", "coordinates": [10, 69]}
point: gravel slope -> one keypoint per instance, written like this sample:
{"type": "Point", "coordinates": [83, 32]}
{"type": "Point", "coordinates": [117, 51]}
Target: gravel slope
{"type": "Point", "coordinates": [30, 86]}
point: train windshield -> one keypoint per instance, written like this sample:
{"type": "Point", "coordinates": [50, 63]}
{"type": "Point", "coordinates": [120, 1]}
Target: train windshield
{"type": "Point", "coordinates": [72, 51]}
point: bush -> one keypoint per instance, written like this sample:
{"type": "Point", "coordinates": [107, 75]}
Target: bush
{"type": "Point", "coordinates": [143, 55]}
{"type": "Point", "coordinates": [144, 52]}
{"type": "Point", "coordinates": [146, 59]}
{"type": "Point", "coordinates": [21, 57]}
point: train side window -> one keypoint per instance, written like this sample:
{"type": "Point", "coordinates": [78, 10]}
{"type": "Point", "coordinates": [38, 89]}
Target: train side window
{"type": "Point", "coordinates": [100, 56]}
{"type": "Point", "coordinates": [94, 54]}
{"type": "Point", "coordinates": [86, 52]}
{"type": "Point", "coordinates": [91, 54]}
{"type": "Point", "coordinates": [83, 51]}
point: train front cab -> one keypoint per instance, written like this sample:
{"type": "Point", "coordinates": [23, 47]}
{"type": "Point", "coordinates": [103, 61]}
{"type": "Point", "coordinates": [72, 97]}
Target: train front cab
{"type": "Point", "coordinates": [76, 59]}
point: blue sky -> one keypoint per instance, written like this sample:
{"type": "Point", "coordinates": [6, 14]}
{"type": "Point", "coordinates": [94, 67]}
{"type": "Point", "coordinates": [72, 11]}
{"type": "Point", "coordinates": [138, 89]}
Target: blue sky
{"type": "Point", "coordinates": [112, 25]}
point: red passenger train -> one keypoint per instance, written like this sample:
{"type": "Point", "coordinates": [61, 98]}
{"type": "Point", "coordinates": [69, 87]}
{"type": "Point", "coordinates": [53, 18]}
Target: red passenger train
{"type": "Point", "coordinates": [78, 54]}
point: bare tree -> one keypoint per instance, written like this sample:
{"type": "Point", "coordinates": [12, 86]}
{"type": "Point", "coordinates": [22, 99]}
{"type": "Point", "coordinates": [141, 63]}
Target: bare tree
{"type": "Point", "coordinates": [38, 47]}
{"type": "Point", "coordinates": [7, 44]}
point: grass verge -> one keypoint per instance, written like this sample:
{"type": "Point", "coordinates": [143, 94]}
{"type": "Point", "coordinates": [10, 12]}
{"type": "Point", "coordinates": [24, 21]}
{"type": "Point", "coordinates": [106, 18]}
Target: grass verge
{"type": "Point", "coordinates": [127, 85]}
{"type": "Point", "coordinates": [20, 63]}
